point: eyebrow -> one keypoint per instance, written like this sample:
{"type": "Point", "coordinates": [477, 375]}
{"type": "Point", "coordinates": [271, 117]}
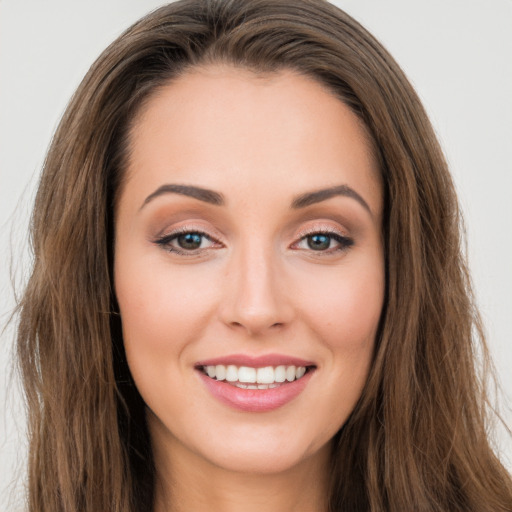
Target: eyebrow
{"type": "Point", "coordinates": [217, 199]}
{"type": "Point", "coordinates": [318, 196]}
{"type": "Point", "coordinates": [203, 194]}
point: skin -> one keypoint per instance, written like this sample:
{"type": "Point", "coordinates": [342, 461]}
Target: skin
{"type": "Point", "coordinates": [253, 287]}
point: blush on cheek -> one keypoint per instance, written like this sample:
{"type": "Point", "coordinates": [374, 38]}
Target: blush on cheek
{"type": "Point", "coordinates": [348, 311]}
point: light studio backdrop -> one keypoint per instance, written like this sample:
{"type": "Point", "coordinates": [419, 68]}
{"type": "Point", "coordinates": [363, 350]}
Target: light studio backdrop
{"type": "Point", "coordinates": [457, 53]}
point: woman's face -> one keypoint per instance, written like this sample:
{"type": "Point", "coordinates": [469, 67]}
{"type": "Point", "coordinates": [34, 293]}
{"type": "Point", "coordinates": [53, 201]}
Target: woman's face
{"type": "Point", "coordinates": [249, 267]}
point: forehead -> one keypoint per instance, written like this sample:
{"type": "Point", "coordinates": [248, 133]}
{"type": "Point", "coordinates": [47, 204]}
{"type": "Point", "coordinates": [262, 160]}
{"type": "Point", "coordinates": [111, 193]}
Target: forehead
{"type": "Point", "coordinates": [222, 126]}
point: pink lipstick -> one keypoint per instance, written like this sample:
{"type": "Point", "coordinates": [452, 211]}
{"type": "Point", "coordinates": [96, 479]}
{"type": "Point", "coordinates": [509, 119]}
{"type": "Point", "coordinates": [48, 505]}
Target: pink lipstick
{"type": "Point", "coordinates": [255, 384]}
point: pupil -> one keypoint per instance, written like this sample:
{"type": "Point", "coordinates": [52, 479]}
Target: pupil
{"type": "Point", "coordinates": [190, 241]}
{"type": "Point", "coordinates": [319, 242]}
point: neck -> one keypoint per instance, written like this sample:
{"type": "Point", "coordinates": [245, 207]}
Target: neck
{"type": "Point", "coordinates": [185, 483]}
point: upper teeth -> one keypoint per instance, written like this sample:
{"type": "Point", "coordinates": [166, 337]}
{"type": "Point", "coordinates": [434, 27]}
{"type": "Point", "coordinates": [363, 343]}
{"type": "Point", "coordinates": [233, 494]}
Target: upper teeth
{"type": "Point", "coordinates": [265, 375]}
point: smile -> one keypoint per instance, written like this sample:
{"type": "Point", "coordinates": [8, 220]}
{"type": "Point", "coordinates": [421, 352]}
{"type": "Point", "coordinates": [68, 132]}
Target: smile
{"type": "Point", "coordinates": [246, 377]}
{"type": "Point", "coordinates": [259, 384]}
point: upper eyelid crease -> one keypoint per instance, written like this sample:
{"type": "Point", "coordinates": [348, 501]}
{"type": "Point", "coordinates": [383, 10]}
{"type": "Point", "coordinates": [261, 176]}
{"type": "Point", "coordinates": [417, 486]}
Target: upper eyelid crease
{"type": "Point", "coordinates": [320, 229]}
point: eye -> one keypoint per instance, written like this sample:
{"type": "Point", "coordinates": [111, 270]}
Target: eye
{"type": "Point", "coordinates": [190, 241]}
{"type": "Point", "coordinates": [186, 242]}
{"type": "Point", "coordinates": [319, 242]}
{"type": "Point", "coordinates": [324, 242]}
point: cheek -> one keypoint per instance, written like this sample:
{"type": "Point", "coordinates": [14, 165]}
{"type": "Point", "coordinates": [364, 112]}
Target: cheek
{"type": "Point", "coordinates": [341, 309]}
{"type": "Point", "coordinates": [345, 306]}
{"type": "Point", "coordinates": [162, 310]}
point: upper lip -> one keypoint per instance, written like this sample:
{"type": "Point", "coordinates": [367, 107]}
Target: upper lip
{"type": "Point", "coordinates": [256, 361]}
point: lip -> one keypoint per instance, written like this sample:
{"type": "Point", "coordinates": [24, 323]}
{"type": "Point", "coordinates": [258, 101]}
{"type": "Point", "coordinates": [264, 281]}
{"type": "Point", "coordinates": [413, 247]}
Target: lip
{"type": "Point", "coordinates": [255, 400]}
{"type": "Point", "coordinates": [256, 361]}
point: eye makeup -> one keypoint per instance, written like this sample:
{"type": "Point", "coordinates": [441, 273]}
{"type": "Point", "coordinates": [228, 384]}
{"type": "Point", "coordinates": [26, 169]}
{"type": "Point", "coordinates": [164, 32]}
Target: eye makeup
{"type": "Point", "coordinates": [324, 241]}
{"type": "Point", "coordinates": [189, 241]}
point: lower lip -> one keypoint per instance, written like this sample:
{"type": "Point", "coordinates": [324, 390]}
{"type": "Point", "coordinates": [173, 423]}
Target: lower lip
{"type": "Point", "coordinates": [255, 400]}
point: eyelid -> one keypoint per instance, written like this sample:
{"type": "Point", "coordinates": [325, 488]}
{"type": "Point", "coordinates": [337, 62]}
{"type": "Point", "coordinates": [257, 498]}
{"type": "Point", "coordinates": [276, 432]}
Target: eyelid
{"type": "Point", "coordinates": [344, 240]}
{"type": "Point", "coordinates": [164, 240]}
{"type": "Point", "coordinates": [189, 226]}
{"type": "Point", "coordinates": [167, 236]}
{"type": "Point", "coordinates": [321, 227]}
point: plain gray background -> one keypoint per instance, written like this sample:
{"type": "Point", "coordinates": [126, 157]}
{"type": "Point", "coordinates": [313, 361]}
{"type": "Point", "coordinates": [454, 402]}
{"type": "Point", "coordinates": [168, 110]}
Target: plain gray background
{"type": "Point", "coordinates": [457, 53]}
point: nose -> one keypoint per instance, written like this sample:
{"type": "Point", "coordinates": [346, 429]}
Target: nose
{"type": "Point", "coordinates": [255, 300]}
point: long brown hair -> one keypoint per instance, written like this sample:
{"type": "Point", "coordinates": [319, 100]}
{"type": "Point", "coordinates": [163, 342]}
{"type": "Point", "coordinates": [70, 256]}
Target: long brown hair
{"type": "Point", "coordinates": [417, 439]}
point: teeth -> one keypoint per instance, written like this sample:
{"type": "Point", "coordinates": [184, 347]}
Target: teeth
{"type": "Point", "coordinates": [246, 374]}
{"type": "Point", "coordinates": [259, 386]}
{"type": "Point", "coordinates": [280, 374]}
{"type": "Point", "coordinates": [299, 372]}
{"type": "Point", "coordinates": [265, 375]}
{"type": "Point", "coordinates": [231, 373]}
{"type": "Point", "coordinates": [246, 377]}
{"type": "Point", "coordinates": [220, 372]}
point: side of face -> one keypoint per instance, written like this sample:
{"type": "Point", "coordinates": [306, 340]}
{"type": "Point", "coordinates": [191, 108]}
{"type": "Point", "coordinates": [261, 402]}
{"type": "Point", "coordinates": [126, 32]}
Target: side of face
{"type": "Point", "coordinates": [259, 270]}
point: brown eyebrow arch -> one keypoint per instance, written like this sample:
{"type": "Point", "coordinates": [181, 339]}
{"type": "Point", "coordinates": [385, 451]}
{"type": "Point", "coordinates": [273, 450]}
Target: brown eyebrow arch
{"type": "Point", "coordinates": [317, 196]}
{"type": "Point", "coordinates": [203, 194]}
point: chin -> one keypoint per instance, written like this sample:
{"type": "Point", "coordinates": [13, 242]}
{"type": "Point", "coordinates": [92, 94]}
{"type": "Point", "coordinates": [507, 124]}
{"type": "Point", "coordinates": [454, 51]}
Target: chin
{"type": "Point", "coordinates": [265, 457]}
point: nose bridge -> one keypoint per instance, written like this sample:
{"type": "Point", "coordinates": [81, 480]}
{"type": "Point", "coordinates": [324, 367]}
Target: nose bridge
{"type": "Point", "coordinates": [255, 298]}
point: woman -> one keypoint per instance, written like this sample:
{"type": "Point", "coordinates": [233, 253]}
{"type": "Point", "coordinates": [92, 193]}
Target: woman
{"type": "Point", "coordinates": [249, 195]}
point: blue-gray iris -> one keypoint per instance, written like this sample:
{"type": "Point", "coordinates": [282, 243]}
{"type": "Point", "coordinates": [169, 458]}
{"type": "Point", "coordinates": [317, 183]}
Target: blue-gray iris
{"type": "Point", "coordinates": [319, 242]}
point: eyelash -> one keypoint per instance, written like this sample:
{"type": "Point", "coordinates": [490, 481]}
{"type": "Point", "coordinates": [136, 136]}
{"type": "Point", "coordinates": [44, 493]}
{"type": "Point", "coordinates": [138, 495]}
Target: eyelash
{"type": "Point", "coordinates": [165, 241]}
{"type": "Point", "coordinates": [343, 241]}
